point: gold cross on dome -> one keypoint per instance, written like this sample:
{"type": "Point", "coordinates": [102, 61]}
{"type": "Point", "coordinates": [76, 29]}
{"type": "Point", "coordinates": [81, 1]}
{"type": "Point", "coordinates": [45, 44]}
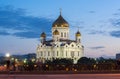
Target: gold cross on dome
{"type": "Point", "coordinates": [60, 11]}
{"type": "Point", "coordinates": [78, 27]}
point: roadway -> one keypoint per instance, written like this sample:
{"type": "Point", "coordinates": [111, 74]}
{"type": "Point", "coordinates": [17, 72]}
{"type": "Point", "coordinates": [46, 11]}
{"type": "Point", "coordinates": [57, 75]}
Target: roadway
{"type": "Point", "coordinates": [63, 76]}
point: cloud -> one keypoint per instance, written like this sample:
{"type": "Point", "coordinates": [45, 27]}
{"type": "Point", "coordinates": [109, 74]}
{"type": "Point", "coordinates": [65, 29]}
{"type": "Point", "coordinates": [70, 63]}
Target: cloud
{"type": "Point", "coordinates": [115, 34]}
{"type": "Point", "coordinates": [96, 32]}
{"type": "Point", "coordinates": [116, 14]}
{"type": "Point", "coordinates": [116, 22]}
{"type": "Point", "coordinates": [17, 19]}
{"type": "Point", "coordinates": [4, 33]}
{"type": "Point", "coordinates": [118, 9]}
{"type": "Point", "coordinates": [27, 34]}
{"type": "Point", "coordinates": [97, 47]}
{"type": "Point", "coordinates": [91, 11]}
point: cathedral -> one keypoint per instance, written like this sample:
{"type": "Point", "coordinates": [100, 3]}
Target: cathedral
{"type": "Point", "coordinates": [60, 46]}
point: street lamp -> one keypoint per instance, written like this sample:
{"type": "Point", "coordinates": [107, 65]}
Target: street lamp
{"type": "Point", "coordinates": [8, 60]}
{"type": "Point", "coordinates": [7, 55]}
{"type": "Point", "coordinates": [14, 68]}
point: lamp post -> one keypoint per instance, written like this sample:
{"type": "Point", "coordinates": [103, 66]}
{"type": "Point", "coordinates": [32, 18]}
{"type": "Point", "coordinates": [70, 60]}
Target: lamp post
{"type": "Point", "coordinates": [14, 68]}
{"type": "Point", "coordinates": [8, 61]}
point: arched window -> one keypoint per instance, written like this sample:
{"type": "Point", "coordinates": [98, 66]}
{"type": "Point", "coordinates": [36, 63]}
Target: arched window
{"type": "Point", "coordinates": [61, 34]}
{"type": "Point", "coordinates": [72, 54]}
{"type": "Point", "coordinates": [57, 53]}
{"type": "Point", "coordinates": [53, 53]}
{"type": "Point", "coordinates": [66, 53]}
{"type": "Point", "coordinates": [48, 53]}
{"type": "Point", "coordinates": [78, 53]}
{"type": "Point", "coordinates": [79, 40]}
{"type": "Point", "coordinates": [72, 45]}
{"type": "Point", "coordinates": [64, 34]}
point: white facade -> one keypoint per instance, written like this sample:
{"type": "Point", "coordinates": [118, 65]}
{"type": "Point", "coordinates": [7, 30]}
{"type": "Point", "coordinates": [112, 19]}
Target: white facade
{"type": "Point", "coordinates": [60, 46]}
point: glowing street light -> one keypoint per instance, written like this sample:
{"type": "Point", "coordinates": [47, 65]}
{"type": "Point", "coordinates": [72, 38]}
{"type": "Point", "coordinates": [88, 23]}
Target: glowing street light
{"type": "Point", "coordinates": [25, 60]}
{"type": "Point", "coordinates": [7, 55]}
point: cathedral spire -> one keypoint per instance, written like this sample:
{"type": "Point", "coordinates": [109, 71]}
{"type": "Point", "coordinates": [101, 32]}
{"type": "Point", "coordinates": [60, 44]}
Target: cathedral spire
{"type": "Point", "coordinates": [78, 32]}
{"type": "Point", "coordinates": [78, 28]}
{"type": "Point", "coordinates": [60, 11]}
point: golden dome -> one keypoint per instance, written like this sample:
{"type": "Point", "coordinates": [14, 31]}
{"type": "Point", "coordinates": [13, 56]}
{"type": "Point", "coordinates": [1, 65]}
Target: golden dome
{"type": "Point", "coordinates": [56, 32]}
{"type": "Point", "coordinates": [60, 22]}
{"type": "Point", "coordinates": [78, 34]}
{"type": "Point", "coordinates": [43, 35]}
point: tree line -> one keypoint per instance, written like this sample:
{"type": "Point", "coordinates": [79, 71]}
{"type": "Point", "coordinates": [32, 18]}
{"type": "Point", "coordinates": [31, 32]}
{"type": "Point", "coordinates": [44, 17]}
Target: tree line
{"type": "Point", "coordinates": [84, 63]}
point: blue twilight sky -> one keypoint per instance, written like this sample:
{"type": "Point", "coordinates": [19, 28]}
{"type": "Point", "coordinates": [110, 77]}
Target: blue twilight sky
{"type": "Point", "coordinates": [22, 21]}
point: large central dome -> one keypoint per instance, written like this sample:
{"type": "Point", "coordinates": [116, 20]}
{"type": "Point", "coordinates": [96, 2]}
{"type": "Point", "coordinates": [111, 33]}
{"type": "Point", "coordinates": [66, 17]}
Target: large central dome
{"type": "Point", "coordinates": [60, 22]}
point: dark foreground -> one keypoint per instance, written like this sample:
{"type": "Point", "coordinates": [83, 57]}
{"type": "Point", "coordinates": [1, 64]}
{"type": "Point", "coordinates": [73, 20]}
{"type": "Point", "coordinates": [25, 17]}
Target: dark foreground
{"type": "Point", "coordinates": [62, 76]}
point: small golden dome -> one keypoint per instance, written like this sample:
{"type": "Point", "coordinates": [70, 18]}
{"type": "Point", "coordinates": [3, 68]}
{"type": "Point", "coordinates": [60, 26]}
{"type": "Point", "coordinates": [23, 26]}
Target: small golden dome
{"type": "Point", "coordinates": [56, 32]}
{"type": "Point", "coordinates": [43, 35]}
{"type": "Point", "coordinates": [78, 34]}
{"type": "Point", "coordinates": [60, 22]}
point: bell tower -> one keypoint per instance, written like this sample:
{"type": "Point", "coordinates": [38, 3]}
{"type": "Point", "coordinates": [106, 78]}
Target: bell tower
{"type": "Point", "coordinates": [43, 37]}
{"type": "Point", "coordinates": [78, 37]}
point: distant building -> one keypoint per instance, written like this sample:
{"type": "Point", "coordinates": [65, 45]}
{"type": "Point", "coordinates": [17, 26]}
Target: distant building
{"type": "Point", "coordinates": [60, 46]}
{"type": "Point", "coordinates": [118, 56]}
